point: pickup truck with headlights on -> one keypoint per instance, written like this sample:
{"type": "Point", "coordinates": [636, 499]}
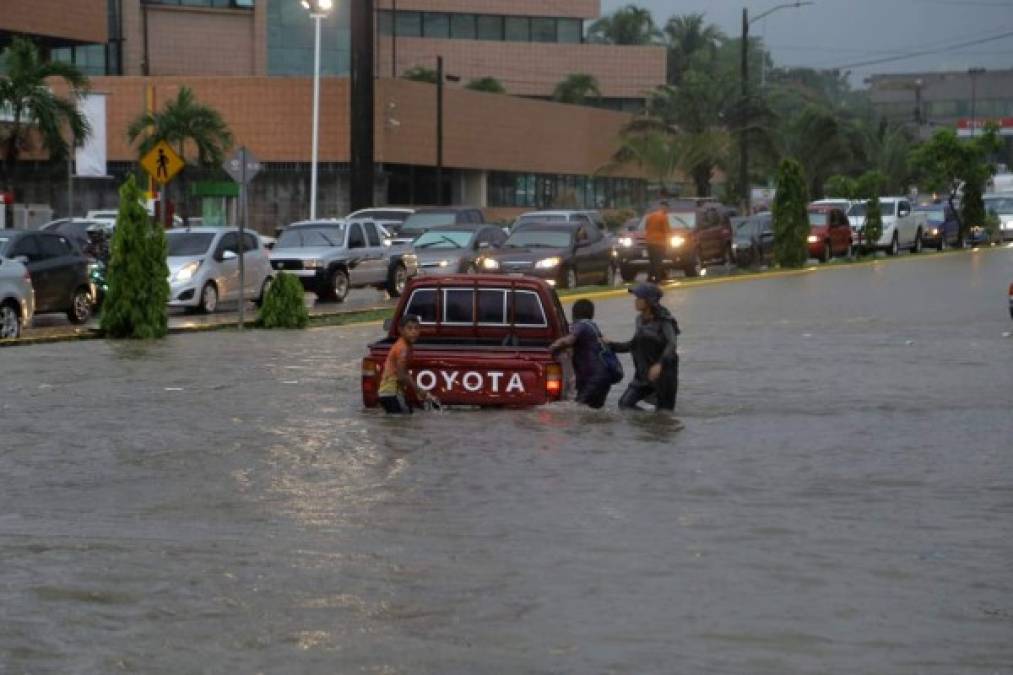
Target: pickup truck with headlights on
{"type": "Point", "coordinates": [699, 235]}
{"type": "Point", "coordinates": [484, 341]}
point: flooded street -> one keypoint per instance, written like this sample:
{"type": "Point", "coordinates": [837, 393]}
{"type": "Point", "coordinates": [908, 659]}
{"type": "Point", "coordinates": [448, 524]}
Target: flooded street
{"type": "Point", "coordinates": [839, 499]}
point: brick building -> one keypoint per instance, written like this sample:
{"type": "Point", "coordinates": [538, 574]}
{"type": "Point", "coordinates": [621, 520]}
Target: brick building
{"type": "Point", "coordinates": [252, 60]}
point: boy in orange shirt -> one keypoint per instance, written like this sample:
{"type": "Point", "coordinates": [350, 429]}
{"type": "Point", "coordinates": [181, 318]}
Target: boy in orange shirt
{"type": "Point", "coordinates": [396, 381]}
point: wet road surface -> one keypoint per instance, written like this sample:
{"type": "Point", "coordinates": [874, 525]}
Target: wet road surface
{"type": "Point", "coordinates": [839, 500]}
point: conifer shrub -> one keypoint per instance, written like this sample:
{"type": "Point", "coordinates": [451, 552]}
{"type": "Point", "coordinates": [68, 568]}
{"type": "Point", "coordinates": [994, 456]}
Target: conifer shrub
{"type": "Point", "coordinates": [791, 221]}
{"type": "Point", "coordinates": [284, 307]}
{"type": "Point", "coordinates": [138, 275]}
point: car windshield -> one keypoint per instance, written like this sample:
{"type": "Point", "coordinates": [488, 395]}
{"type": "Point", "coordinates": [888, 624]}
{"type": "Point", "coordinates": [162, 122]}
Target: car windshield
{"type": "Point", "coordinates": [420, 222]}
{"type": "Point", "coordinates": [999, 204]}
{"type": "Point", "coordinates": [305, 237]}
{"type": "Point", "coordinates": [550, 218]}
{"type": "Point", "coordinates": [444, 239]}
{"type": "Point", "coordinates": [188, 243]}
{"type": "Point", "coordinates": [817, 219]}
{"type": "Point", "coordinates": [540, 239]}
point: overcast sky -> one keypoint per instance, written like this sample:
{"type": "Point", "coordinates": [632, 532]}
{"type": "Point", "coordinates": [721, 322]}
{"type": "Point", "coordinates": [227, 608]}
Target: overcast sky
{"type": "Point", "coordinates": [833, 33]}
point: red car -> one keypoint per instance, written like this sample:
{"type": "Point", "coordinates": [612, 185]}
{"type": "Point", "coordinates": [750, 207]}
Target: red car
{"type": "Point", "coordinates": [701, 233]}
{"type": "Point", "coordinates": [484, 341]}
{"type": "Point", "coordinates": [829, 233]}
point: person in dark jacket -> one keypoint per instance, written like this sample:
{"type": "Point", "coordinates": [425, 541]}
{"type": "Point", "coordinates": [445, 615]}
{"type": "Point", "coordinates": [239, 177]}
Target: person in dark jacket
{"type": "Point", "coordinates": [653, 348]}
{"type": "Point", "coordinates": [592, 376]}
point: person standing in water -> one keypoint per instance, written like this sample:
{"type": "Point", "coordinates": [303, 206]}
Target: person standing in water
{"type": "Point", "coordinates": [593, 381]}
{"type": "Point", "coordinates": [396, 381]}
{"type": "Point", "coordinates": [653, 348]}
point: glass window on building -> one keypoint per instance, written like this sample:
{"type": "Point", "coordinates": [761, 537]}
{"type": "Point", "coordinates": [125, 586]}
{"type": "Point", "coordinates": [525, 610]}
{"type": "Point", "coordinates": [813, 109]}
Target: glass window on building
{"type": "Point", "coordinates": [517, 29]}
{"type": "Point", "coordinates": [435, 25]}
{"type": "Point", "coordinates": [490, 28]}
{"type": "Point", "coordinates": [569, 30]}
{"type": "Point", "coordinates": [462, 26]}
{"type": "Point", "coordinates": [409, 24]}
{"type": "Point", "coordinates": [385, 22]}
{"type": "Point", "coordinates": [543, 30]}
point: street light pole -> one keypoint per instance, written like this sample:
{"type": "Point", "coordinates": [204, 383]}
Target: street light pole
{"type": "Point", "coordinates": [318, 10]}
{"type": "Point", "coordinates": [974, 73]}
{"type": "Point", "coordinates": [744, 112]}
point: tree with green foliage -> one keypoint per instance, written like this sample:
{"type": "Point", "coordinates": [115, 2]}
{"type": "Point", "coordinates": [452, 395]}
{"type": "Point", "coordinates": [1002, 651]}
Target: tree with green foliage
{"type": "Point", "coordinates": [629, 25]}
{"type": "Point", "coordinates": [840, 187]}
{"type": "Point", "coordinates": [869, 186]}
{"type": "Point", "coordinates": [655, 151]}
{"type": "Point", "coordinates": [791, 220]}
{"type": "Point", "coordinates": [284, 306]}
{"type": "Point", "coordinates": [489, 85]}
{"type": "Point", "coordinates": [138, 275]}
{"type": "Point", "coordinates": [34, 112]}
{"type": "Point", "coordinates": [691, 43]}
{"type": "Point", "coordinates": [577, 89]}
{"type": "Point", "coordinates": [197, 132]}
{"type": "Point", "coordinates": [948, 164]}
{"type": "Point", "coordinates": [420, 74]}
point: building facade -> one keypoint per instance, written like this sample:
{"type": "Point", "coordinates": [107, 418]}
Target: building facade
{"type": "Point", "coordinates": [252, 60]}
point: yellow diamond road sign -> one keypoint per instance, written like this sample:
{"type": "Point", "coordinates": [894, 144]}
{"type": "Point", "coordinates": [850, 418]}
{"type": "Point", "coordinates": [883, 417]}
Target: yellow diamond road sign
{"type": "Point", "coordinates": [162, 162]}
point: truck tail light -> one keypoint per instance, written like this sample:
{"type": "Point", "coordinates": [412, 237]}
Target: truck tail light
{"type": "Point", "coordinates": [370, 384]}
{"type": "Point", "coordinates": [1011, 292]}
{"type": "Point", "coordinates": [553, 381]}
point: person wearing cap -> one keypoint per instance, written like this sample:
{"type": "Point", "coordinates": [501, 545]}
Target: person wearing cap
{"type": "Point", "coordinates": [653, 348]}
{"type": "Point", "coordinates": [656, 236]}
{"type": "Point", "coordinates": [593, 382]}
{"type": "Point", "coordinates": [396, 381]}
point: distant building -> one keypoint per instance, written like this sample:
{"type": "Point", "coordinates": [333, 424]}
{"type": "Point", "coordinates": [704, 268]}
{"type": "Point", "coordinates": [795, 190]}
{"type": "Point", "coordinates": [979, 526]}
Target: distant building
{"type": "Point", "coordinates": [958, 99]}
{"type": "Point", "coordinates": [253, 60]}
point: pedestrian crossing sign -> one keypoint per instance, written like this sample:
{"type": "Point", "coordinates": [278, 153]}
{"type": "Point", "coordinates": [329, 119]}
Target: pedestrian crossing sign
{"type": "Point", "coordinates": [162, 163]}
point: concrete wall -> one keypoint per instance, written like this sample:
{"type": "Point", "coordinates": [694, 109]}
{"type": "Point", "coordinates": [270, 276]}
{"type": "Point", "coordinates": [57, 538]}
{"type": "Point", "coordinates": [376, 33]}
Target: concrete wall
{"type": "Point", "coordinates": [80, 21]}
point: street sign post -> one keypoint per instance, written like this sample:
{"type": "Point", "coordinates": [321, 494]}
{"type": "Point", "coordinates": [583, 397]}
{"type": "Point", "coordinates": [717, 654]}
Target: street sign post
{"type": "Point", "coordinates": [162, 163]}
{"type": "Point", "coordinates": [242, 167]}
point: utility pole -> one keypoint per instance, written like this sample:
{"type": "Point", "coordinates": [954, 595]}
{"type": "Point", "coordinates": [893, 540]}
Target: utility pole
{"type": "Point", "coordinates": [744, 113]}
{"type": "Point", "coordinates": [439, 131]}
{"type": "Point", "coordinates": [361, 105]}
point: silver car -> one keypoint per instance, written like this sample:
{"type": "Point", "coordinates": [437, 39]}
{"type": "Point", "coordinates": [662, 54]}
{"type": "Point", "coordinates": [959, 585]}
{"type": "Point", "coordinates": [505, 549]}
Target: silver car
{"type": "Point", "coordinates": [204, 267]}
{"type": "Point", "coordinates": [17, 298]}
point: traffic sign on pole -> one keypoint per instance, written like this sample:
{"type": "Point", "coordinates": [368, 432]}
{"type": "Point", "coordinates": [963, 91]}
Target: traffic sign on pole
{"type": "Point", "coordinates": [243, 166]}
{"type": "Point", "coordinates": [162, 163]}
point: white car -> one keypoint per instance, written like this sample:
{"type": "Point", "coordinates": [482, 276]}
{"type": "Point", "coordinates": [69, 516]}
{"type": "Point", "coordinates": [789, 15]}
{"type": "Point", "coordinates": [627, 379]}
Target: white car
{"type": "Point", "coordinates": [108, 217]}
{"type": "Point", "coordinates": [902, 228]}
{"type": "Point", "coordinates": [17, 298]}
{"type": "Point", "coordinates": [388, 217]}
{"type": "Point", "coordinates": [204, 267]}
{"type": "Point", "coordinates": [1001, 204]}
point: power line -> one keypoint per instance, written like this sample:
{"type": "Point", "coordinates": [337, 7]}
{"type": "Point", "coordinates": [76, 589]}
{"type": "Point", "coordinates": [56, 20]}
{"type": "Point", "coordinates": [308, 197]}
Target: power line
{"type": "Point", "coordinates": [923, 52]}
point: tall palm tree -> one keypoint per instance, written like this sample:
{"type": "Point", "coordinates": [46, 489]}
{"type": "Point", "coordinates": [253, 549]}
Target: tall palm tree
{"type": "Point", "coordinates": [577, 88]}
{"type": "Point", "coordinates": [820, 142]}
{"type": "Point", "coordinates": [690, 40]}
{"type": "Point", "coordinates": [629, 25]}
{"type": "Point", "coordinates": [655, 151]}
{"type": "Point", "coordinates": [32, 105]}
{"type": "Point", "coordinates": [196, 131]}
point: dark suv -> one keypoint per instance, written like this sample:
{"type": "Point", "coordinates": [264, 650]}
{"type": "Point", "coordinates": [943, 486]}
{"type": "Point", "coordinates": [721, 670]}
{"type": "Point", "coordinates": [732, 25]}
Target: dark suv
{"type": "Point", "coordinates": [424, 219]}
{"type": "Point", "coordinates": [59, 272]}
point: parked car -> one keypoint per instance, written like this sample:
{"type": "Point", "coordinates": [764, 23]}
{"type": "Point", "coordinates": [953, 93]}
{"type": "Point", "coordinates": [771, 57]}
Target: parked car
{"type": "Point", "coordinates": [484, 341]}
{"type": "Point", "coordinates": [389, 217]}
{"type": "Point", "coordinates": [1011, 301]}
{"type": "Point", "coordinates": [829, 232]}
{"type": "Point", "coordinates": [424, 219]}
{"type": "Point", "coordinates": [59, 272]}
{"type": "Point", "coordinates": [700, 235]}
{"type": "Point", "coordinates": [449, 249]}
{"type": "Point", "coordinates": [75, 229]}
{"type": "Point", "coordinates": [902, 228]}
{"type": "Point", "coordinates": [754, 239]}
{"type": "Point", "coordinates": [204, 267]}
{"type": "Point", "coordinates": [108, 216]}
{"type": "Point", "coordinates": [942, 229]}
{"type": "Point", "coordinates": [1001, 205]}
{"type": "Point", "coordinates": [17, 297]}
{"type": "Point", "coordinates": [330, 257]}
{"type": "Point", "coordinates": [564, 254]}
{"type": "Point", "coordinates": [561, 216]}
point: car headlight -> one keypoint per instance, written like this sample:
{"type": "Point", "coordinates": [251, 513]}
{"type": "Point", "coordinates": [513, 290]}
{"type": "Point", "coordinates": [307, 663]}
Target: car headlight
{"type": "Point", "coordinates": [548, 263]}
{"type": "Point", "coordinates": [812, 239]}
{"type": "Point", "coordinates": [311, 264]}
{"type": "Point", "coordinates": [186, 272]}
{"type": "Point", "coordinates": [626, 242]}
{"type": "Point", "coordinates": [444, 263]}
{"type": "Point", "coordinates": [677, 241]}
{"type": "Point", "coordinates": [934, 231]}
{"type": "Point", "coordinates": [490, 264]}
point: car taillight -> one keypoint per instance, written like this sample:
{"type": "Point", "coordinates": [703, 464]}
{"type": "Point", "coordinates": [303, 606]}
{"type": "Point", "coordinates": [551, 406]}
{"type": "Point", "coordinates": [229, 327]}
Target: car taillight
{"type": "Point", "coordinates": [553, 381]}
{"type": "Point", "coordinates": [370, 368]}
{"type": "Point", "coordinates": [370, 385]}
{"type": "Point", "coordinates": [1011, 291]}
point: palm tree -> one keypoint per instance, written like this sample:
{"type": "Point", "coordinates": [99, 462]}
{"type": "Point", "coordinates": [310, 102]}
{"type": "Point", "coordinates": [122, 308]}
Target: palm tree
{"type": "Point", "coordinates": [630, 25]}
{"type": "Point", "coordinates": [487, 84]}
{"type": "Point", "coordinates": [577, 88]}
{"type": "Point", "coordinates": [33, 106]}
{"type": "Point", "coordinates": [653, 150]}
{"type": "Point", "coordinates": [192, 128]}
{"type": "Point", "coordinates": [820, 142]}
{"type": "Point", "coordinates": [690, 40]}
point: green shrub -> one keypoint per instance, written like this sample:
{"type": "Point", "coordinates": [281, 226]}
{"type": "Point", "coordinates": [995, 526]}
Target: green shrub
{"type": "Point", "coordinates": [138, 275]}
{"type": "Point", "coordinates": [873, 228]}
{"type": "Point", "coordinates": [992, 226]}
{"type": "Point", "coordinates": [284, 306]}
{"type": "Point", "coordinates": [791, 221]}
{"type": "Point", "coordinates": [972, 210]}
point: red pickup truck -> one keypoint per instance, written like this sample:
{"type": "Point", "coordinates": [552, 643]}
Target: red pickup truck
{"type": "Point", "coordinates": [484, 341]}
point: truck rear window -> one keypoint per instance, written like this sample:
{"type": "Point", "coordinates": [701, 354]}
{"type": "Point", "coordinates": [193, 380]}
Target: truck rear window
{"type": "Point", "coordinates": [458, 306]}
{"type": "Point", "coordinates": [423, 303]}
{"type": "Point", "coordinates": [493, 307]}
